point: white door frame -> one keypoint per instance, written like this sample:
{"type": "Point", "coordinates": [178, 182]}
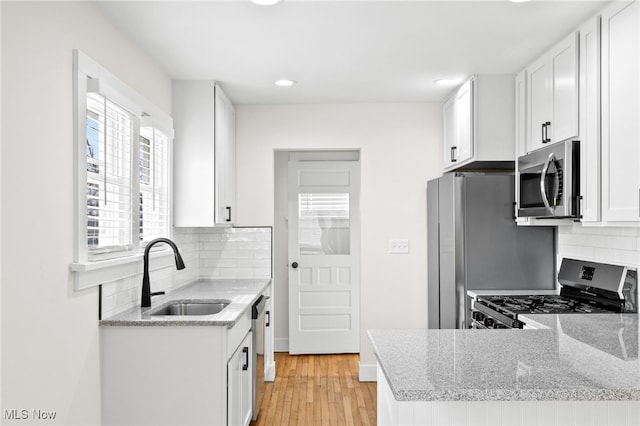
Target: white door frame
{"type": "Point", "coordinates": [324, 312]}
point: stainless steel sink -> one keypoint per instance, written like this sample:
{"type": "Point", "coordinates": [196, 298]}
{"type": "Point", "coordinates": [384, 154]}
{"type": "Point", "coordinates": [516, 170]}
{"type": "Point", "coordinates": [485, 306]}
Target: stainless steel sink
{"type": "Point", "coordinates": [191, 308]}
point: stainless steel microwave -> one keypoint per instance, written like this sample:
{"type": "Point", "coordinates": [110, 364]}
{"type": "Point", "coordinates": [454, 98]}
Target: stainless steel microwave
{"type": "Point", "coordinates": [549, 182]}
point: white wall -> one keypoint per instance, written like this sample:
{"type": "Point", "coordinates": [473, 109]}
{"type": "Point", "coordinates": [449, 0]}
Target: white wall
{"type": "Point", "coordinates": [50, 332]}
{"type": "Point", "coordinates": [400, 147]}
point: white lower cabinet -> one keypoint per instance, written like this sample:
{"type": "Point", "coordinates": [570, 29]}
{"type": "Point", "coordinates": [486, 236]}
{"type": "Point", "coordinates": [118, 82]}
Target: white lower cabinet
{"type": "Point", "coordinates": [240, 385]}
{"type": "Point", "coordinates": [177, 375]}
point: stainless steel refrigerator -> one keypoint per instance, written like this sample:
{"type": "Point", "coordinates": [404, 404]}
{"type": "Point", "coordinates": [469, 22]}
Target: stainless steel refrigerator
{"type": "Point", "coordinates": [474, 244]}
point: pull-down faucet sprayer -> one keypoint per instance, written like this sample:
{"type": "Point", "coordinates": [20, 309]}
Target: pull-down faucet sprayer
{"type": "Point", "coordinates": [146, 287]}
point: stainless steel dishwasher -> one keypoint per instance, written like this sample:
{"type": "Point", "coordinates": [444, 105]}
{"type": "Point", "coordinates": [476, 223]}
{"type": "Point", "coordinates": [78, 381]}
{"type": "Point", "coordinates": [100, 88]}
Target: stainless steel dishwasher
{"type": "Point", "coordinates": [258, 325]}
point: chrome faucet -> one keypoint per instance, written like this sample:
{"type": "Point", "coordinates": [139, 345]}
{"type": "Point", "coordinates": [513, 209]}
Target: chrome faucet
{"type": "Point", "coordinates": [146, 287]}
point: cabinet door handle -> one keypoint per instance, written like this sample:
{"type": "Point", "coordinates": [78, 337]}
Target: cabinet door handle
{"type": "Point", "coordinates": [228, 208]}
{"type": "Point", "coordinates": [267, 315]}
{"type": "Point", "coordinates": [546, 138]}
{"type": "Point", "coordinates": [578, 207]}
{"type": "Point", "coordinates": [453, 154]}
{"type": "Point", "coordinates": [245, 366]}
{"type": "Point", "coordinates": [542, 138]}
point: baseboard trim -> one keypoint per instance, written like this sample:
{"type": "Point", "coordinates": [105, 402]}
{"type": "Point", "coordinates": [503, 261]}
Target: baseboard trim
{"type": "Point", "coordinates": [281, 344]}
{"type": "Point", "coordinates": [270, 372]}
{"type": "Point", "coordinates": [367, 372]}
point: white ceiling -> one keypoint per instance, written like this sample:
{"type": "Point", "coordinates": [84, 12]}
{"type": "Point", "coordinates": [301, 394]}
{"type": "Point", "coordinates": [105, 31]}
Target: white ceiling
{"type": "Point", "coordinates": [344, 51]}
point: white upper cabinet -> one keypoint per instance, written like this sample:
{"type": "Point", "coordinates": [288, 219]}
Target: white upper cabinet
{"type": "Point", "coordinates": [620, 113]}
{"type": "Point", "coordinates": [225, 158]}
{"type": "Point", "coordinates": [479, 122]}
{"type": "Point", "coordinates": [539, 103]}
{"type": "Point", "coordinates": [449, 127]}
{"type": "Point", "coordinates": [552, 88]}
{"type": "Point", "coordinates": [464, 122]}
{"type": "Point", "coordinates": [608, 101]}
{"type": "Point", "coordinates": [589, 122]}
{"type": "Point", "coordinates": [204, 155]}
{"type": "Point", "coordinates": [521, 113]}
{"type": "Point", "coordinates": [520, 132]}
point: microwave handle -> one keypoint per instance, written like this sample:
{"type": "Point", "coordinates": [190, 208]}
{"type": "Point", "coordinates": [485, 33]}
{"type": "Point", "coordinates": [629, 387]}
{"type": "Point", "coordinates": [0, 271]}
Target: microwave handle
{"type": "Point", "coordinates": [543, 175]}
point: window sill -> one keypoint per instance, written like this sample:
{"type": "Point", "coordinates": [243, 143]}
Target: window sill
{"type": "Point", "coordinates": [91, 274]}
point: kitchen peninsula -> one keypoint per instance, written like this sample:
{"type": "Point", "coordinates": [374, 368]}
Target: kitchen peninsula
{"type": "Point", "coordinates": [577, 369]}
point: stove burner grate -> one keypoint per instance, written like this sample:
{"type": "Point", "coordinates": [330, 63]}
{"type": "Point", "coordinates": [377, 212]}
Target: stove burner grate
{"type": "Point", "coordinates": [543, 304]}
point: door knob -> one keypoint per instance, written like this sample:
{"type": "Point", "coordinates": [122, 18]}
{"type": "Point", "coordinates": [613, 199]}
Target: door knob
{"type": "Point", "coordinates": [294, 265]}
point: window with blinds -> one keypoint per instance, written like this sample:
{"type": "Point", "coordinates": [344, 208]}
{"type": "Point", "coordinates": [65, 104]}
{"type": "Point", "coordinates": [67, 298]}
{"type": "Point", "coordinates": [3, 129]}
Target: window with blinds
{"type": "Point", "coordinates": [122, 164]}
{"type": "Point", "coordinates": [154, 184]}
{"type": "Point", "coordinates": [112, 227]}
{"type": "Point", "coordinates": [110, 131]}
{"type": "Point", "coordinates": [324, 225]}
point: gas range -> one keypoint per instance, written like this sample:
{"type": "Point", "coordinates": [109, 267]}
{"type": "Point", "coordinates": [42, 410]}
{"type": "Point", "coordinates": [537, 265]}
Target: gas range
{"type": "Point", "coordinates": [586, 288]}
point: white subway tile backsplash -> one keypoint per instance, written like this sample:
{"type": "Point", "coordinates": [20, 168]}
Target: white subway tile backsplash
{"type": "Point", "coordinates": [600, 244]}
{"type": "Point", "coordinates": [207, 253]}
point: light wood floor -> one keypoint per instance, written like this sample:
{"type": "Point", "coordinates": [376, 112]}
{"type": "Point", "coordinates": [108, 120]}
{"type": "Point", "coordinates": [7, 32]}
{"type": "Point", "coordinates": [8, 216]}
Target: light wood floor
{"type": "Point", "coordinates": [317, 390]}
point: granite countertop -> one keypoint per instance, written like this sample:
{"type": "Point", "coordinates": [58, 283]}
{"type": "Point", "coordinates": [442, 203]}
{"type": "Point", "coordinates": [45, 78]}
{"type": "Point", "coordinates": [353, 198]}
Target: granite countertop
{"type": "Point", "coordinates": [577, 358]}
{"type": "Point", "coordinates": [241, 293]}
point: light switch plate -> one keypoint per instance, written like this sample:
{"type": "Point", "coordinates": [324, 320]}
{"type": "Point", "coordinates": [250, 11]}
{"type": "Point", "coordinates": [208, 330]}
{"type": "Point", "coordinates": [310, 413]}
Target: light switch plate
{"type": "Point", "coordinates": [398, 246]}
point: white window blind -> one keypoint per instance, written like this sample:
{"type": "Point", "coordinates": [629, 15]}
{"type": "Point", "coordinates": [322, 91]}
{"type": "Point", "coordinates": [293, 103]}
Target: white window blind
{"type": "Point", "coordinates": [154, 184]}
{"type": "Point", "coordinates": [109, 169]}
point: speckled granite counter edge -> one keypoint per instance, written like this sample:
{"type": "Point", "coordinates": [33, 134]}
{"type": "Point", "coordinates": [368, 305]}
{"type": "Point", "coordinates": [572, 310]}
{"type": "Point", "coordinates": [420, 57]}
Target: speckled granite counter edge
{"type": "Point", "coordinates": [519, 395]}
{"type": "Point", "coordinates": [503, 394]}
{"type": "Point", "coordinates": [227, 317]}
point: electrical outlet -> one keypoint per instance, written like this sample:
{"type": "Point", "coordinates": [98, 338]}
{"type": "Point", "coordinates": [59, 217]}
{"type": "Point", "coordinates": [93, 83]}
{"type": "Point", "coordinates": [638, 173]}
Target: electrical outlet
{"type": "Point", "coordinates": [399, 246]}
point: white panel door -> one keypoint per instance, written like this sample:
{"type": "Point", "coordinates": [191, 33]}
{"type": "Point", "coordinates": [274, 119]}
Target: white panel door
{"type": "Point", "coordinates": [324, 253]}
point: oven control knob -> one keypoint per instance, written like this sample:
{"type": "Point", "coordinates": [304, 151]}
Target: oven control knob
{"type": "Point", "coordinates": [489, 322]}
{"type": "Point", "coordinates": [477, 316]}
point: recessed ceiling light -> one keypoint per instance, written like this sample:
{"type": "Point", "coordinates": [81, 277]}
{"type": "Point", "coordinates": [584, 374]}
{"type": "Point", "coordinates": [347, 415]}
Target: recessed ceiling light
{"type": "Point", "coordinates": [518, 1]}
{"type": "Point", "coordinates": [285, 83]}
{"type": "Point", "coordinates": [446, 82]}
{"type": "Point", "coordinates": [266, 2]}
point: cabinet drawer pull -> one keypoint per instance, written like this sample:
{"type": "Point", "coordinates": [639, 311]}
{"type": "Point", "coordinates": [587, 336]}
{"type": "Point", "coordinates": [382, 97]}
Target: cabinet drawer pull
{"type": "Point", "coordinates": [245, 366]}
{"type": "Point", "coordinates": [545, 137]}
